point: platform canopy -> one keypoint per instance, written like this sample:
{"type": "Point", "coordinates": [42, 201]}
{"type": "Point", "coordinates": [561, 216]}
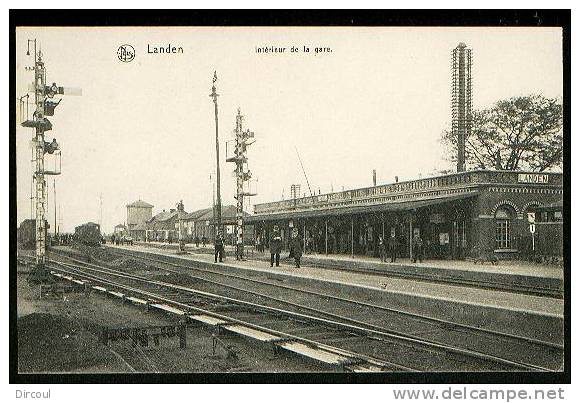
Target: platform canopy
{"type": "Point", "coordinates": [365, 209]}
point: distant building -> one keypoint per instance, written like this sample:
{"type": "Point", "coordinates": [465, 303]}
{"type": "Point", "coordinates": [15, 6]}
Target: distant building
{"type": "Point", "coordinates": [201, 223]}
{"type": "Point", "coordinates": [138, 213]}
{"type": "Point", "coordinates": [162, 226]}
{"type": "Point", "coordinates": [194, 225]}
{"type": "Point", "coordinates": [120, 229]}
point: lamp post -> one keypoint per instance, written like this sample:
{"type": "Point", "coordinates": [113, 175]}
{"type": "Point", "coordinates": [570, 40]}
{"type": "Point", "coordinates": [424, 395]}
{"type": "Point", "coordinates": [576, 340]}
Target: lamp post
{"type": "Point", "coordinates": [180, 235]}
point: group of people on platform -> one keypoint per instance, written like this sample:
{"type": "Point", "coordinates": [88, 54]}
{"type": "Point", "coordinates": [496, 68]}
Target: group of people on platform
{"type": "Point", "coordinates": [391, 246]}
{"type": "Point", "coordinates": [387, 248]}
{"type": "Point", "coordinates": [61, 239]}
{"type": "Point", "coordinates": [120, 240]}
{"type": "Point", "coordinates": [296, 247]}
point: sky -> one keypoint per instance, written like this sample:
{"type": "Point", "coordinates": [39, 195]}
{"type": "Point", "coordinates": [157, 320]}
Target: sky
{"type": "Point", "coordinates": [145, 129]}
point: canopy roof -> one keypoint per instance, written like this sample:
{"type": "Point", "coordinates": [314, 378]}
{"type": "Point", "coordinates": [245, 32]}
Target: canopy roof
{"type": "Point", "coordinates": [378, 208]}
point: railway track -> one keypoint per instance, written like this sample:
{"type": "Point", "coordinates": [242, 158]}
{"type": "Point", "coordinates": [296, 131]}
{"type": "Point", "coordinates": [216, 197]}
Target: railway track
{"type": "Point", "coordinates": [538, 353]}
{"type": "Point", "coordinates": [494, 285]}
{"type": "Point", "coordinates": [440, 346]}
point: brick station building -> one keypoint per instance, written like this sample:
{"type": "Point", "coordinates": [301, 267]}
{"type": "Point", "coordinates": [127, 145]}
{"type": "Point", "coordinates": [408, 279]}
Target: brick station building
{"type": "Point", "coordinates": [457, 215]}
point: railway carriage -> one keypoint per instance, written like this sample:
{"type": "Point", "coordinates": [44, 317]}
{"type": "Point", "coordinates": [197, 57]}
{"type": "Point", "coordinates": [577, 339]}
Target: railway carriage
{"type": "Point", "coordinates": [27, 234]}
{"type": "Point", "coordinates": [88, 234]}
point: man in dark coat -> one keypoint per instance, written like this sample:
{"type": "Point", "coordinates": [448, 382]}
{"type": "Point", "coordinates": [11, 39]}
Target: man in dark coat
{"type": "Point", "coordinates": [417, 245]}
{"type": "Point", "coordinates": [297, 246]}
{"type": "Point", "coordinates": [382, 249]}
{"type": "Point", "coordinates": [219, 247]}
{"type": "Point", "coordinates": [275, 246]}
{"type": "Point", "coordinates": [393, 246]}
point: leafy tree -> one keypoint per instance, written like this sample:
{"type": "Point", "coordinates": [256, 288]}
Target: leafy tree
{"type": "Point", "coordinates": [520, 133]}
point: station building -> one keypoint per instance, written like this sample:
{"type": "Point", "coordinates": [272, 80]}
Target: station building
{"type": "Point", "coordinates": [164, 226]}
{"type": "Point", "coordinates": [457, 215]}
{"type": "Point", "coordinates": [201, 223]}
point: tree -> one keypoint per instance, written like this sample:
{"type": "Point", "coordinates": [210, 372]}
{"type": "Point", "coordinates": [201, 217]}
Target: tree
{"type": "Point", "coordinates": [520, 133]}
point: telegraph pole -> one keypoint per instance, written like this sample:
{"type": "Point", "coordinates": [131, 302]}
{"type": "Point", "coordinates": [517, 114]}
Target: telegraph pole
{"type": "Point", "coordinates": [218, 208]}
{"type": "Point", "coordinates": [44, 106]}
{"type": "Point", "coordinates": [243, 140]}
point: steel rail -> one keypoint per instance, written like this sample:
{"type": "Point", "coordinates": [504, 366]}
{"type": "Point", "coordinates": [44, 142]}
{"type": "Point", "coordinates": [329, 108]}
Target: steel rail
{"type": "Point", "coordinates": [348, 355]}
{"type": "Point", "coordinates": [425, 318]}
{"type": "Point", "coordinates": [383, 333]}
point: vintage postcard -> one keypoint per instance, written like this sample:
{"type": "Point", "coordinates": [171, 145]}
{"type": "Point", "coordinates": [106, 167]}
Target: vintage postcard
{"type": "Point", "coordinates": [229, 201]}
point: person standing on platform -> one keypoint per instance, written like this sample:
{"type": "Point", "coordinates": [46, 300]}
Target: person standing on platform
{"type": "Point", "coordinates": [297, 246]}
{"type": "Point", "coordinates": [275, 246]}
{"type": "Point", "coordinates": [258, 243]}
{"type": "Point", "coordinates": [239, 249]}
{"type": "Point", "coordinates": [382, 249]}
{"type": "Point", "coordinates": [417, 248]}
{"type": "Point", "coordinates": [393, 246]}
{"type": "Point", "coordinates": [219, 247]}
{"type": "Point", "coordinates": [196, 240]}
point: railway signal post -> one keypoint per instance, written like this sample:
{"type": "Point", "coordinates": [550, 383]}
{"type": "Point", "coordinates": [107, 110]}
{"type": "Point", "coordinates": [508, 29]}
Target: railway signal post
{"type": "Point", "coordinates": [244, 138]}
{"type": "Point", "coordinates": [44, 106]}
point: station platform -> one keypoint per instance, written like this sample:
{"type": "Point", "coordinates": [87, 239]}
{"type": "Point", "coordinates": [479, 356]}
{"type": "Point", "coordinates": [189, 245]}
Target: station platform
{"type": "Point", "coordinates": [527, 315]}
{"type": "Point", "coordinates": [506, 275]}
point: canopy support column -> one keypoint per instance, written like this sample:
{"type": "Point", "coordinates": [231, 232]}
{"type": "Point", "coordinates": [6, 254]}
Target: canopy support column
{"type": "Point", "coordinates": [411, 236]}
{"type": "Point", "coordinates": [352, 237]}
{"type": "Point", "coordinates": [304, 237]}
{"type": "Point", "coordinates": [326, 235]}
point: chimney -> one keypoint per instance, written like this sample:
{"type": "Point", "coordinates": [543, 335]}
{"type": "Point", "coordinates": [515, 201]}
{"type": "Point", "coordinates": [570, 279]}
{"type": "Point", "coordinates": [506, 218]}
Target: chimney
{"type": "Point", "coordinates": [396, 179]}
{"type": "Point", "coordinates": [374, 177]}
{"type": "Point", "coordinates": [461, 99]}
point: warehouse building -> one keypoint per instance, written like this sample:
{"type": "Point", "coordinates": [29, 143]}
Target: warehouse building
{"type": "Point", "coordinates": [457, 215]}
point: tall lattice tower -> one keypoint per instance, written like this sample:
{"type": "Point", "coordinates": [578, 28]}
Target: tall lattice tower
{"type": "Point", "coordinates": [461, 99]}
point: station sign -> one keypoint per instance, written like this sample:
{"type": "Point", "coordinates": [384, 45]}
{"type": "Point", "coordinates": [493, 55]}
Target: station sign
{"type": "Point", "coordinates": [533, 178]}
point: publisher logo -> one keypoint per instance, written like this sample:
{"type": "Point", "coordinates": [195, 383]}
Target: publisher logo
{"type": "Point", "coordinates": [126, 53]}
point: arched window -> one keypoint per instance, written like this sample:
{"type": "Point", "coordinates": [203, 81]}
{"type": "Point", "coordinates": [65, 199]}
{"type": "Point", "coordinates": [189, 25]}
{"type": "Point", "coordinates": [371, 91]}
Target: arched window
{"type": "Point", "coordinates": [503, 236]}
